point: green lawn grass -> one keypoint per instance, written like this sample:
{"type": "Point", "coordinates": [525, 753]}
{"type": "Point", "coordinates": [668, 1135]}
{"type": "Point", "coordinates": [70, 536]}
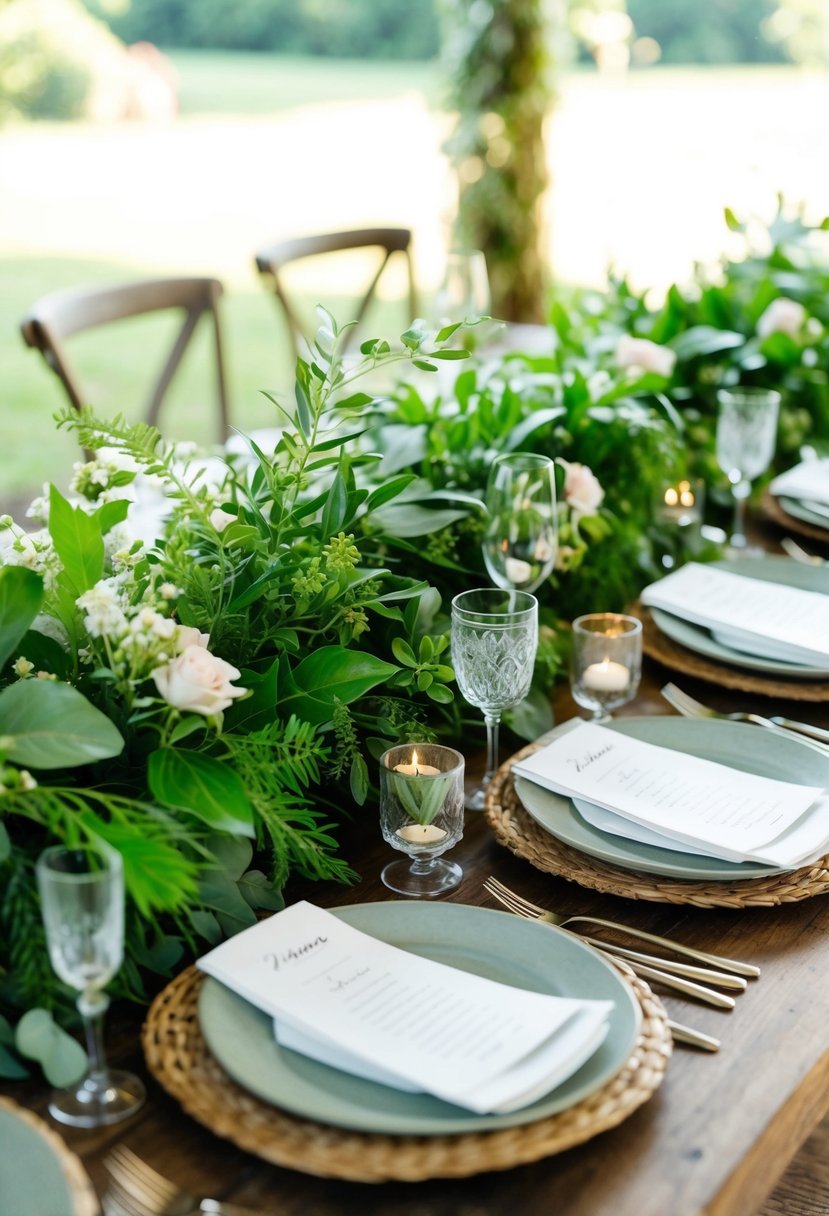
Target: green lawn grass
{"type": "Point", "coordinates": [258, 355]}
{"type": "Point", "coordinates": [217, 82]}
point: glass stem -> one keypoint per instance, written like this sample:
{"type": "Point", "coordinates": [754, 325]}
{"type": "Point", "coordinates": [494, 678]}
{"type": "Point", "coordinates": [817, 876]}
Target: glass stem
{"type": "Point", "coordinates": [493, 722]}
{"type": "Point", "coordinates": [741, 491]}
{"type": "Point", "coordinates": [92, 1005]}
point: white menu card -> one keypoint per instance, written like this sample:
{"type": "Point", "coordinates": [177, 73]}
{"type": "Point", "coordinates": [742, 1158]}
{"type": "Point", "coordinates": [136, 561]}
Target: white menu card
{"type": "Point", "coordinates": [361, 1005]}
{"type": "Point", "coordinates": [810, 479]}
{"type": "Point", "coordinates": [719, 810]}
{"type": "Point", "coordinates": [758, 617]}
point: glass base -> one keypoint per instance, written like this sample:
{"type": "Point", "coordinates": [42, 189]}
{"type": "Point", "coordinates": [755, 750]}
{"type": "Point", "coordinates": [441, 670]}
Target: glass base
{"type": "Point", "coordinates": [92, 1104]}
{"type": "Point", "coordinates": [440, 876]}
{"type": "Point", "coordinates": [475, 799]}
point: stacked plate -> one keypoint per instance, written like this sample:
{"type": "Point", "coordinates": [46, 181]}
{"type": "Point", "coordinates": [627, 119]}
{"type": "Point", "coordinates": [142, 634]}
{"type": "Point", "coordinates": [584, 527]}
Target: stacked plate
{"type": "Point", "coordinates": [706, 642]}
{"type": "Point", "coordinates": [746, 748]}
{"type": "Point", "coordinates": [477, 940]}
{"type": "Point", "coordinates": [803, 493]}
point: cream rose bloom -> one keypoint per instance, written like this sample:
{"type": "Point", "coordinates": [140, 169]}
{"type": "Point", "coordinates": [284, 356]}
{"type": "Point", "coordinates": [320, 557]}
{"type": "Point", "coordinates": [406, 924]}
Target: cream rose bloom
{"type": "Point", "coordinates": [198, 682]}
{"type": "Point", "coordinates": [646, 355]}
{"type": "Point", "coordinates": [783, 316]}
{"type": "Point", "coordinates": [582, 491]}
{"type": "Point", "coordinates": [188, 635]}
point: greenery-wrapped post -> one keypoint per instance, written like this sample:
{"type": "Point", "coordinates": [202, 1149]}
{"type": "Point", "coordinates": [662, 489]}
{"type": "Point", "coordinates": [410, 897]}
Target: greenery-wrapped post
{"type": "Point", "coordinates": [497, 63]}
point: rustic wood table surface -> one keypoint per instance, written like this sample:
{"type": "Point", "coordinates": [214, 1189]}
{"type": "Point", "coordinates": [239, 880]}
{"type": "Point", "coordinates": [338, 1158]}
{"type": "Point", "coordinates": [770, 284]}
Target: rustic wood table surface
{"type": "Point", "coordinates": [714, 1138]}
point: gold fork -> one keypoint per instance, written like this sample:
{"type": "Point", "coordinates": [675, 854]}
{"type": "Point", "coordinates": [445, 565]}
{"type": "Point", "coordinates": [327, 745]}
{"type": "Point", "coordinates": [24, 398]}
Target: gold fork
{"type": "Point", "coordinates": [535, 912]}
{"type": "Point", "coordinates": [679, 1033]}
{"type": "Point", "coordinates": [136, 1189]}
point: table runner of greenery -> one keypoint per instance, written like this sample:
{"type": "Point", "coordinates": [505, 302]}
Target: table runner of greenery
{"type": "Point", "coordinates": [212, 704]}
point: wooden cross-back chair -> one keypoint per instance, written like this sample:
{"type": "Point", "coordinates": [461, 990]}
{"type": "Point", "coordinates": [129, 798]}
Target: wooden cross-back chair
{"type": "Point", "coordinates": [59, 316]}
{"type": "Point", "coordinates": [388, 241]}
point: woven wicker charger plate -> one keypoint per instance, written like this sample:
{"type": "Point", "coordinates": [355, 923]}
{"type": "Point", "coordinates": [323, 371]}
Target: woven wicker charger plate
{"type": "Point", "coordinates": [657, 646]}
{"type": "Point", "coordinates": [772, 510]}
{"type": "Point", "coordinates": [516, 829]}
{"type": "Point", "coordinates": [179, 1059]}
{"type": "Point", "coordinates": [84, 1200]}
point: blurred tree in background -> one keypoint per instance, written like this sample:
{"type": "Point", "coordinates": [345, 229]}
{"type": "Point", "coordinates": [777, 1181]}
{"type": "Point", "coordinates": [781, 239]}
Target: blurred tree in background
{"type": "Point", "coordinates": [498, 64]}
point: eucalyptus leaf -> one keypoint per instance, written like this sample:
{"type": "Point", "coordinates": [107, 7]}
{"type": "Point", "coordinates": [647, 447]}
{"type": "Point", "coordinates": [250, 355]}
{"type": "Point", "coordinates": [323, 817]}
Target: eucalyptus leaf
{"type": "Point", "coordinates": [38, 1037]}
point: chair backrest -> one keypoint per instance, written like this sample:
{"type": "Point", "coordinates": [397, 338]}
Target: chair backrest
{"type": "Point", "coordinates": [388, 241]}
{"type": "Point", "coordinates": [59, 316]}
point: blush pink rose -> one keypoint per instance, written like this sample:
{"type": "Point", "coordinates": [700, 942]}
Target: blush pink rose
{"type": "Point", "coordinates": [582, 491]}
{"type": "Point", "coordinates": [645, 355]}
{"type": "Point", "coordinates": [783, 316]}
{"type": "Point", "coordinates": [198, 682]}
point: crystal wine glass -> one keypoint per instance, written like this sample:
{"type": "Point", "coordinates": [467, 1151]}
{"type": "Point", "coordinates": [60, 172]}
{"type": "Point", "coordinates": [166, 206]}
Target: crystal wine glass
{"type": "Point", "coordinates": [521, 534]}
{"type": "Point", "coordinates": [464, 291]}
{"type": "Point", "coordinates": [746, 433]}
{"type": "Point", "coordinates": [82, 901]}
{"type": "Point", "coordinates": [494, 640]}
{"type": "Point", "coordinates": [421, 815]}
{"type": "Point", "coordinates": [605, 661]}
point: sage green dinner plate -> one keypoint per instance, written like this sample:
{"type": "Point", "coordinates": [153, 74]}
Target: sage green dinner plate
{"type": "Point", "coordinates": [32, 1182]}
{"type": "Point", "coordinates": [739, 745]}
{"type": "Point", "coordinates": [793, 506]}
{"type": "Point", "coordinates": [766, 569]}
{"type": "Point", "coordinates": [497, 945]}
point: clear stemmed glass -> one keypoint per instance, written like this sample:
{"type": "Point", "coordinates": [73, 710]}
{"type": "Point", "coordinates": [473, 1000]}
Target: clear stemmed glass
{"type": "Point", "coordinates": [421, 815]}
{"type": "Point", "coordinates": [464, 291]}
{"type": "Point", "coordinates": [521, 534]}
{"type": "Point", "coordinates": [605, 661]}
{"type": "Point", "coordinates": [746, 433]}
{"type": "Point", "coordinates": [494, 640]}
{"type": "Point", "coordinates": [82, 901]}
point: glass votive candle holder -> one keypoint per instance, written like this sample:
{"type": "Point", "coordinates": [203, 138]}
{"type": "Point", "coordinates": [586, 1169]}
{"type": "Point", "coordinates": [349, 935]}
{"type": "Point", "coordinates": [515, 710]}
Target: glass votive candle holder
{"type": "Point", "coordinates": [678, 513]}
{"type": "Point", "coordinates": [421, 815]}
{"type": "Point", "coordinates": [605, 661]}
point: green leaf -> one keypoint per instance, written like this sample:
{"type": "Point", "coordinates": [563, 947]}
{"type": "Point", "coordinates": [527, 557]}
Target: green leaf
{"type": "Point", "coordinates": [21, 595]}
{"type": "Point", "coordinates": [78, 542]}
{"type": "Point", "coordinates": [440, 694]}
{"type": "Point", "coordinates": [210, 790]}
{"type": "Point", "coordinates": [303, 410]}
{"type": "Point", "coordinates": [336, 505]}
{"type": "Point", "coordinates": [5, 844]}
{"type": "Point", "coordinates": [38, 1037]}
{"type": "Point", "coordinates": [326, 676]}
{"type": "Point", "coordinates": [10, 1067]}
{"type": "Point", "coordinates": [403, 652]}
{"type": "Point", "coordinates": [449, 354]}
{"type": "Point", "coordinates": [52, 725]}
{"type": "Point", "coordinates": [388, 490]}
{"type": "Point", "coordinates": [407, 520]}
{"type": "Point", "coordinates": [257, 890]}
{"type": "Point", "coordinates": [705, 340]}
{"type": "Point", "coordinates": [424, 365]}
{"type": "Point", "coordinates": [358, 779]}
{"type": "Point", "coordinates": [219, 892]}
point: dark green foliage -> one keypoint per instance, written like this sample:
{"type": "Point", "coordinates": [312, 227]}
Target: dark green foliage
{"type": "Point", "coordinates": [362, 29]}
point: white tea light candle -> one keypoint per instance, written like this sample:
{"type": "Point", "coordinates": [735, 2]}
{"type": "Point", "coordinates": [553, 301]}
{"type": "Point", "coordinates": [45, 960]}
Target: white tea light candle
{"type": "Point", "coordinates": [421, 815]}
{"type": "Point", "coordinates": [605, 661]}
{"type": "Point", "coordinates": [606, 676]}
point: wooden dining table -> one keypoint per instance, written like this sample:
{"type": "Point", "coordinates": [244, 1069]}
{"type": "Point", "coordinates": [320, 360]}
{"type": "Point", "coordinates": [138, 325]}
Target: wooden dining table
{"type": "Point", "coordinates": [714, 1138]}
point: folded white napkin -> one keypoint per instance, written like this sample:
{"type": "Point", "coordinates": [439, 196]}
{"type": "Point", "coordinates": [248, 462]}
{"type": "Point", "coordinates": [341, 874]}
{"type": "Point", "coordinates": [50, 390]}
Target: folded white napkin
{"type": "Point", "coordinates": [810, 479]}
{"type": "Point", "coordinates": [365, 1007]}
{"type": "Point", "coordinates": [766, 619]}
{"type": "Point", "coordinates": [716, 810]}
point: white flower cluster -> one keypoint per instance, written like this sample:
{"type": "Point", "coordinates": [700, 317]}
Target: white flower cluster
{"type": "Point", "coordinates": [32, 550]}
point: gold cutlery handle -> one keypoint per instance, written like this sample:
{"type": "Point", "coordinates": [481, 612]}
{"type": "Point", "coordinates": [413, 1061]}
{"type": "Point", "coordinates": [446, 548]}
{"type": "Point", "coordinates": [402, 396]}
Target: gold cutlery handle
{"type": "Point", "coordinates": [687, 987]}
{"type": "Point", "coordinates": [701, 956]}
{"type": "Point", "coordinates": [693, 1038]}
{"type": "Point", "coordinates": [704, 974]}
{"type": "Point", "coordinates": [801, 728]}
